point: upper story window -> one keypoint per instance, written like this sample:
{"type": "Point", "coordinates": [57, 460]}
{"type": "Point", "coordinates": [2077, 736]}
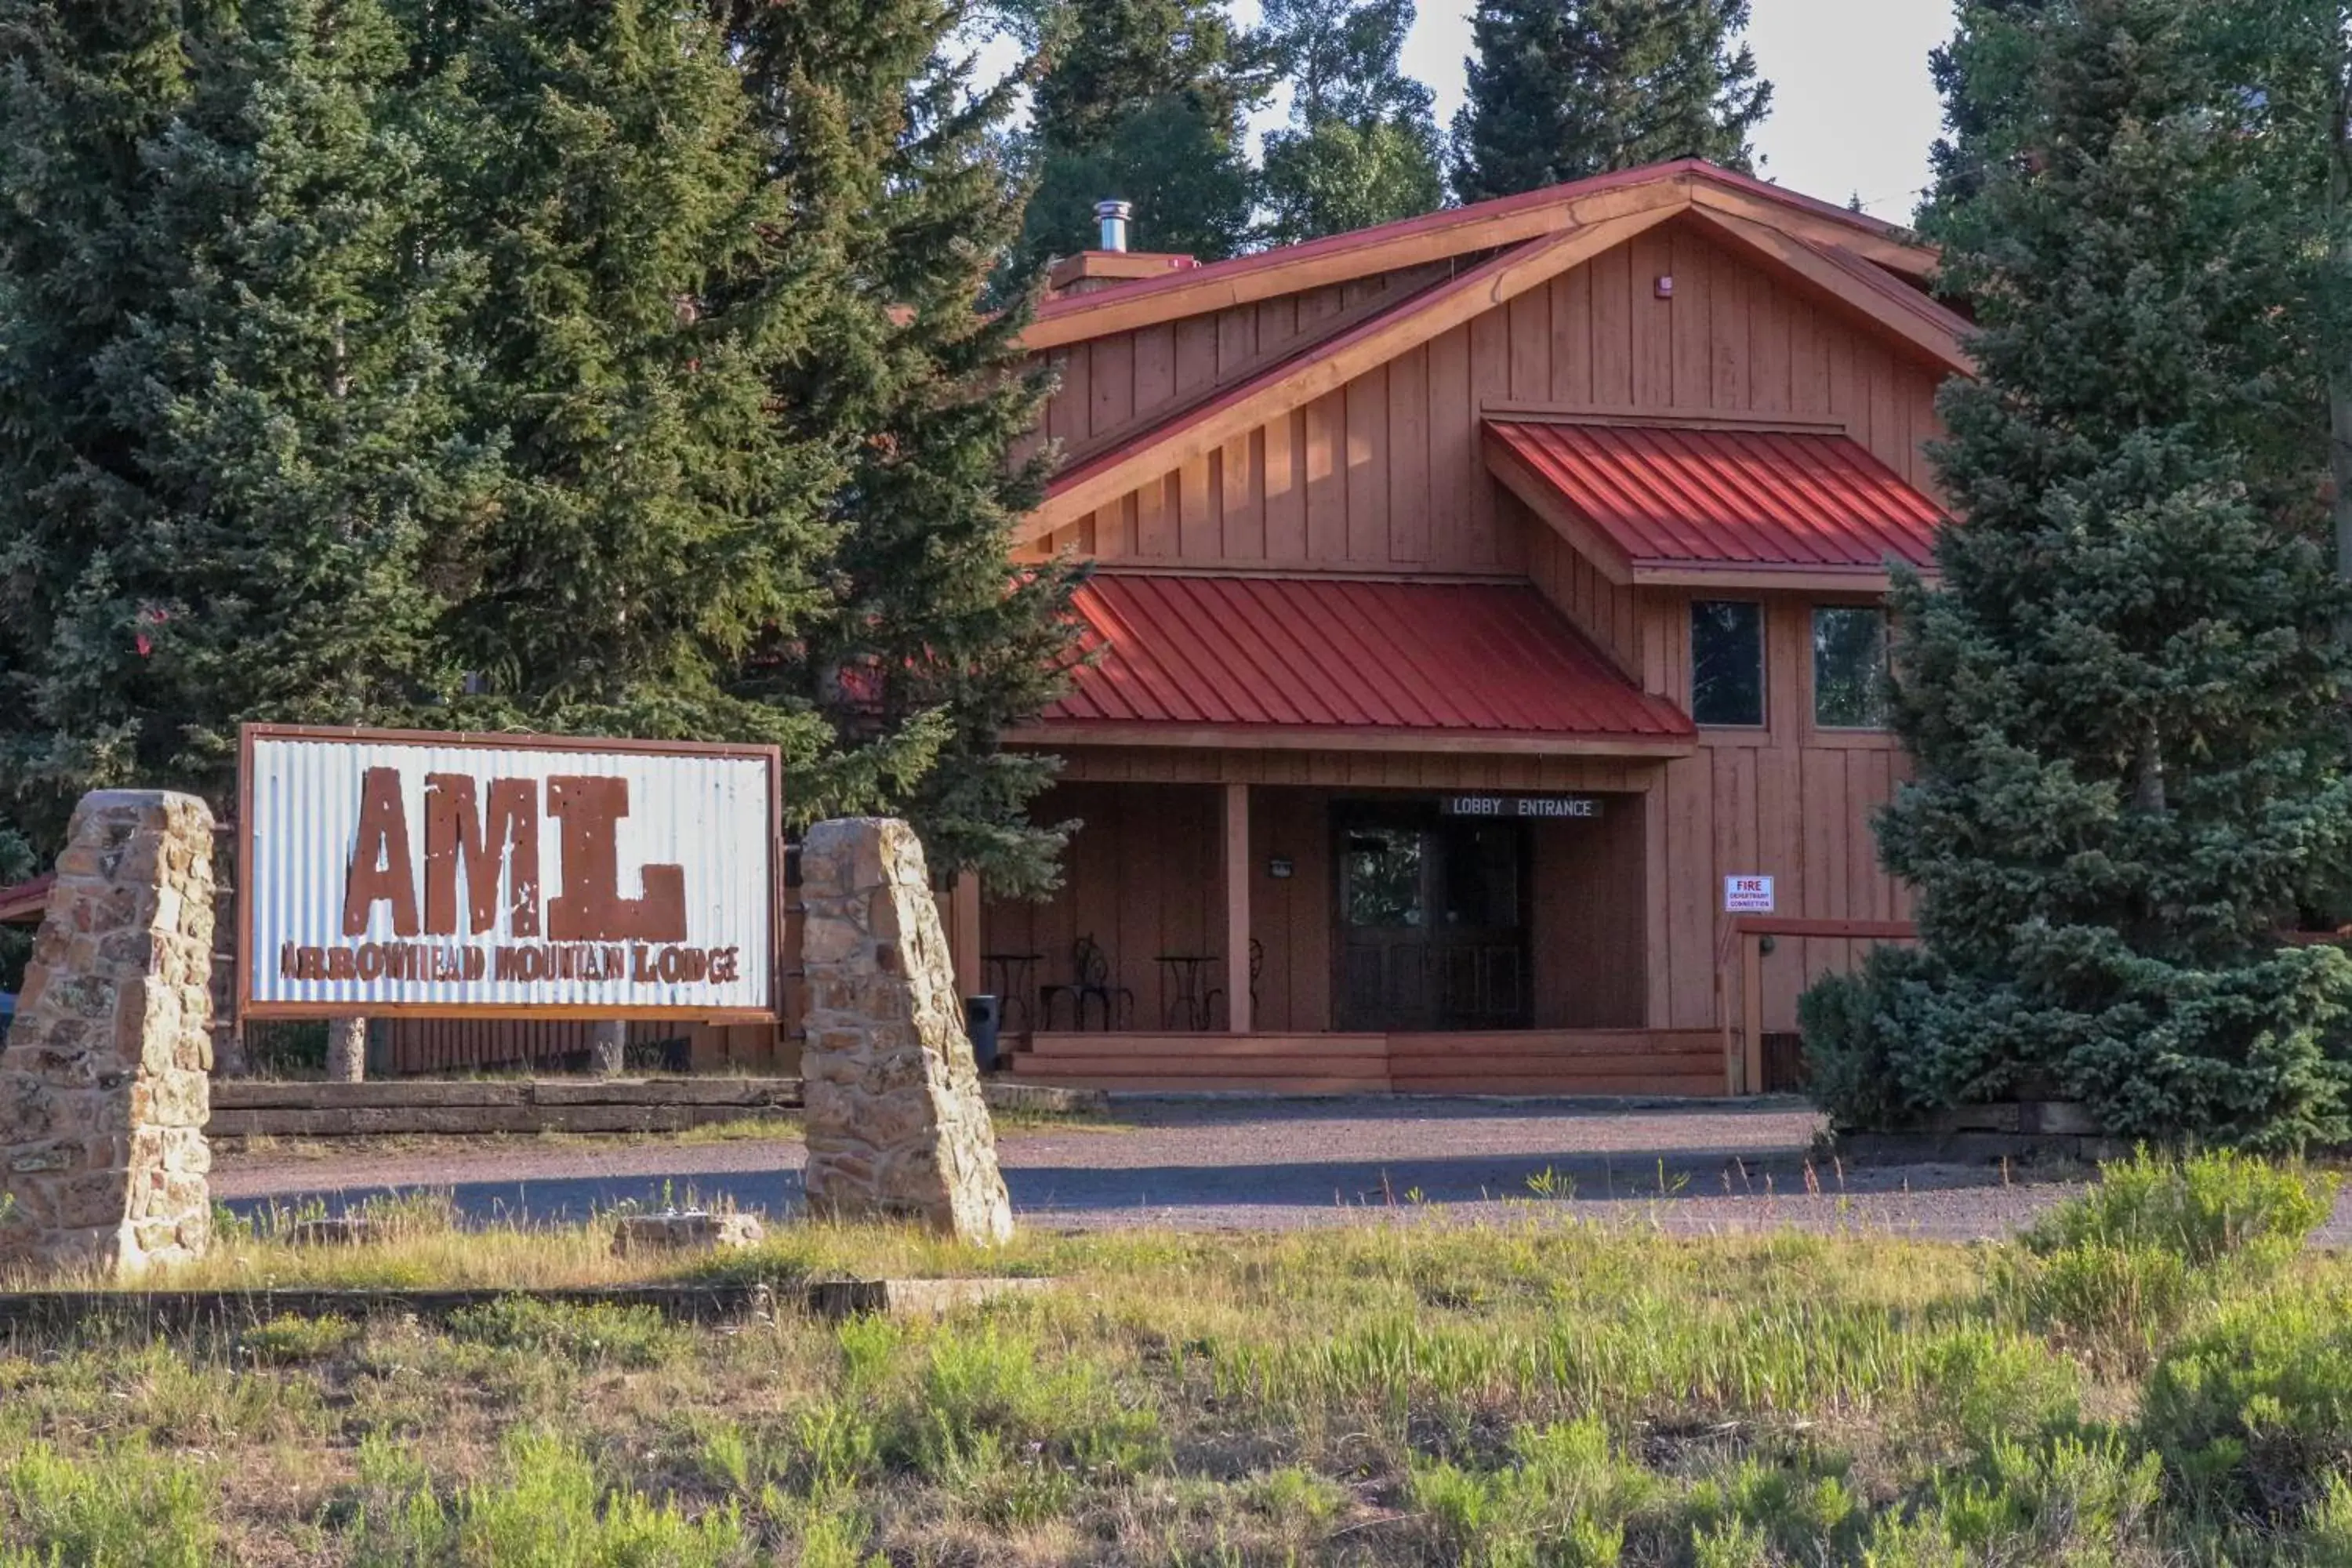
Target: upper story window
{"type": "Point", "coordinates": [1849, 666]}
{"type": "Point", "coordinates": [1727, 649]}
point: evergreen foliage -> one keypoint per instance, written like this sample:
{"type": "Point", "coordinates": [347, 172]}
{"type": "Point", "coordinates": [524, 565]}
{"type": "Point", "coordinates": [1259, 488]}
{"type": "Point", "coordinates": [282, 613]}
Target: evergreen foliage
{"type": "Point", "coordinates": [1143, 101]}
{"type": "Point", "coordinates": [592, 366]}
{"type": "Point", "coordinates": [2124, 696]}
{"type": "Point", "coordinates": [1561, 89]}
{"type": "Point", "coordinates": [928, 648]}
{"type": "Point", "coordinates": [232, 469]}
{"type": "Point", "coordinates": [1362, 146]}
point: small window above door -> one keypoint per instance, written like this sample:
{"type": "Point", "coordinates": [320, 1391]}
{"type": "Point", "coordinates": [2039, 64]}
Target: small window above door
{"type": "Point", "coordinates": [1726, 654]}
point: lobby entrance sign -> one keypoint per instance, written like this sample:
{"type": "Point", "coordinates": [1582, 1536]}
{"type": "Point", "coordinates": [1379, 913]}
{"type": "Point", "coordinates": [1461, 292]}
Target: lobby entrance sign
{"type": "Point", "coordinates": [386, 872]}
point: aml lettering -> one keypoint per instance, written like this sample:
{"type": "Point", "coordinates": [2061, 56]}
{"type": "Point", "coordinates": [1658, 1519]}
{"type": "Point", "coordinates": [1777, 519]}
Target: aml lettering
{"type": "Point", "coordinates": [500, 845]}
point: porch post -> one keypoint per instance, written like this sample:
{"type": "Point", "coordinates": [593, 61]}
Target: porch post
{"type": "Point", "coordinates": [963, 932]}
{"type": "Point", "coordinates": [1237, 909]}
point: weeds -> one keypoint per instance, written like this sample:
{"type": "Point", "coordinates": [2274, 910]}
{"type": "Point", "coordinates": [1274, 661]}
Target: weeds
{"type": "Point", "coordinates": [2154, 1377]}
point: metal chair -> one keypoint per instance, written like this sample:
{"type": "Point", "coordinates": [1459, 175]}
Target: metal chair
{"type": "Point", "coordinates": [1089, 982]}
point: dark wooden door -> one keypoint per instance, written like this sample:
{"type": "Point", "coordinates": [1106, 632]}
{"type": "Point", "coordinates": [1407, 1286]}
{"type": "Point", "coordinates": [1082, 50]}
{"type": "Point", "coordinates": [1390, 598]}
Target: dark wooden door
{"type": "Point", "coordinates": [1432, 923]}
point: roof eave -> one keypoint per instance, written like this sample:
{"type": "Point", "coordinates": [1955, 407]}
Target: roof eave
{"type": "Point", "coordinates": [1045, 732]}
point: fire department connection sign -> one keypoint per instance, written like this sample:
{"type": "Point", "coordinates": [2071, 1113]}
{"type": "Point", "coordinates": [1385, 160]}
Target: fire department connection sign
{"type": "Point", "coordinates": [388, 872]}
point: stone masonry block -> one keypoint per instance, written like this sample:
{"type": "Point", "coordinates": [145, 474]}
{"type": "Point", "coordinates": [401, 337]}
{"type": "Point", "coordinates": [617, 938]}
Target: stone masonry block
{"type": "Point", "coordinates": [103, 1096]}
{"type": "Point", "coordinates": [895, 1121]}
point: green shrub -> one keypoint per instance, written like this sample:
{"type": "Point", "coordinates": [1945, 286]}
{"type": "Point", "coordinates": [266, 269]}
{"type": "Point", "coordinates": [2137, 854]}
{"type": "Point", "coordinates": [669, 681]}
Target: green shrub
{"type": "Point", "coordinates": [1847, 1070]}
{"type": "Point", "coordinates": [546, 1511]}
{"type": "Point", "coordinates": [123, 1507]}
{"type": "Point", "coordinates": [2327, 1538]}
{"type": "Point", "coordinates": [2069, 1500]}
{"type": "Point", "coordinates": [1561, 1502]}
{"type": "Point", "coordinates": [2206, 1210]}
{"type": "Point", "coordinates": [1797, 1513]}
{"type": "Point", "coordinates": [2116, 1305]}
{"type": "Point", "coordinates": [1975, 1382]}
{"type": "Point", "coordinates": [2254, 1410]}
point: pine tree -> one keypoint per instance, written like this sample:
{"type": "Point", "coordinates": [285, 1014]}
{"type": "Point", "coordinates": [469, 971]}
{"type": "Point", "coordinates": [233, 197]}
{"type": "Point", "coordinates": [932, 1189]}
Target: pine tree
{"type": "Point", "coordinates": [1560, 90]}
{"type": "Point", "coordinates": [931, 643]}
{"type": "Point", "coordinates": [229, 446]}
{"type": "Point", "coordinates": [1144, 100]}
{"type": "Point", "coordinates": [2123, 698]}
{"type": "Point", "coordinates": [1362, 147]}
{"type": "Point", "coordinates": [657, 526]}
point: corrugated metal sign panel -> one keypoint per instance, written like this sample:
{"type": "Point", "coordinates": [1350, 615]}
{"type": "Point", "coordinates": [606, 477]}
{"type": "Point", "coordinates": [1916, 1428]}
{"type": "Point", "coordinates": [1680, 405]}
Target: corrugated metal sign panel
{"type": "Point", "coordinates": [1729, 498]}
{"type": "Point", "coordinates": [1301, 653]}
{"type": "Point", "coordinates": [656, 881]}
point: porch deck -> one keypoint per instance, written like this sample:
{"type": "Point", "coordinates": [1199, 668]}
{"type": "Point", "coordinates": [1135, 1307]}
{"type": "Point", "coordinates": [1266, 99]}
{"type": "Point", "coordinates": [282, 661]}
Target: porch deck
{"type": "Point", "coordinates": [1519, 1061]}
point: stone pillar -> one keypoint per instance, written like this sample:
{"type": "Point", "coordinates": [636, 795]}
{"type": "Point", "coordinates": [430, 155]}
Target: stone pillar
{"type": "Point", "coordinates": [895, 1122]}
{"type": "Point", "coordinates": [103, 1092]}
{"type": "Point", "coordinates": [347, 1050]}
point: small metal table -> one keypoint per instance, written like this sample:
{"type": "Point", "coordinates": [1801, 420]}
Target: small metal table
{"type": "Point", "coordinates": [1016, 976]}
{"type": "Point", "coordinates": [1185, 985]}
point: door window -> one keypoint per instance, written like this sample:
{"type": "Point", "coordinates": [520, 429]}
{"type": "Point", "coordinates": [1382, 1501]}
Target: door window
{"type": "Point", "coordinates": [1382, 885]}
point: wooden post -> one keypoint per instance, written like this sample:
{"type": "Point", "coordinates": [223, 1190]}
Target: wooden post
{"type": "Point", "coordinates": [1237, 908]}
{"type": "Point", "coordinates": [963, 932]}
{"type": "Point", "coordinates": [1752, 1011]}
{"type": "Point", "coordinates": [346, 1050]}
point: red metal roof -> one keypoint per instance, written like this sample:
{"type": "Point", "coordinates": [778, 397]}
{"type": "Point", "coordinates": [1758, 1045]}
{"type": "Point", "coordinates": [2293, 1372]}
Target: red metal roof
{"type": "Point", "coordinates": [1450, 660]}
{"type": "Point", "coordinates": [1703, 497]}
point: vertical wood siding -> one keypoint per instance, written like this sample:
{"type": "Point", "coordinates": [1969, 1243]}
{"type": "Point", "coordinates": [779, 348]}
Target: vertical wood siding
{"type": "Point", "coordinates": [1387, 470]}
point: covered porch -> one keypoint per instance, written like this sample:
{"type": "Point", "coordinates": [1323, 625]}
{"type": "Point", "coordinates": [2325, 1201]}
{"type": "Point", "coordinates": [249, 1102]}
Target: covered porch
{"type": "Point", "coordinates": [1345, 835]}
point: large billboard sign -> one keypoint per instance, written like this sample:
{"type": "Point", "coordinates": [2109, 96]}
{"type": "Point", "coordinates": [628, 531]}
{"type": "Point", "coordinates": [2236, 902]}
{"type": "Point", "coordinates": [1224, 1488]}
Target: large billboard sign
{"type": "Point", "coordinates": [383, 872]}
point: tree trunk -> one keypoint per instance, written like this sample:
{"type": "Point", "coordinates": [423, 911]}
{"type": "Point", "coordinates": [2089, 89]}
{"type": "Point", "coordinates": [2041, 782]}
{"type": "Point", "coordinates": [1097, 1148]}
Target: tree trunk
{"type": "Point", "coordinates": [608, 1049]}
{"type": "Point", "coordinates": [346, 1050]}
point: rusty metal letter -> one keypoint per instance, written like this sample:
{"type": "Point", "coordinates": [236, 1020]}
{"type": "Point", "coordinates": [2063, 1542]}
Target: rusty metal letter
{"type": "Point", "coordinates": [591, 907]}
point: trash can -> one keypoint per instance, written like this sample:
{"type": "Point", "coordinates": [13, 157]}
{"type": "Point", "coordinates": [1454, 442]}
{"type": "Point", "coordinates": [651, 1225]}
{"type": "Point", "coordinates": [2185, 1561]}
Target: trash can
{"type": "Point", "coordinates": [982, 1015]}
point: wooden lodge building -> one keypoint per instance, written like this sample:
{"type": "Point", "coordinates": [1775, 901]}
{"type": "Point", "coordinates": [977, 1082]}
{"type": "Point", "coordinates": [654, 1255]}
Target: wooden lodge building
{"type": "Point", "coordinates": [1473, 596]}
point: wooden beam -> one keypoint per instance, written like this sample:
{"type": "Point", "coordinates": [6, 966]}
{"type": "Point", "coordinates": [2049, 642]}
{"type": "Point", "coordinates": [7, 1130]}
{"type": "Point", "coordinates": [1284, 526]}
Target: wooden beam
{"type": "Point", "coordinates": [1343, 258]}
{"type": "Point", "coordinates": [1425, 316]}
{"type": "Point", "coordinates": [1237, 909]}
{"type": "Point", "coordinates": [1751, 1013]}
{"type": "Point", "coordinates": [1926, 330]}
{"type": "Point", "coordinates": [964, 932]}
{"type": "Point", "coordinates": [1918, 262]}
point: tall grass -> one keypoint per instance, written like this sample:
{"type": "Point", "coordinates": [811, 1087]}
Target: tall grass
{"type": "Point", "coordinates": [1499, 1395]}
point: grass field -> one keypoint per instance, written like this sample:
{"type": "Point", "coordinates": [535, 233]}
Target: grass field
{"type": "Point", "coordinates": [2161, 1374]}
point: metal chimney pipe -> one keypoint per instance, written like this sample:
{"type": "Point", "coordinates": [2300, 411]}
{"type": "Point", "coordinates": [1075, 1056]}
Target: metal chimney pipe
{"type": "Point", "coordinates": [1113, 217]}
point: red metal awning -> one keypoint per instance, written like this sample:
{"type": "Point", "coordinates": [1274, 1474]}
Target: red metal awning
{"type": "Point", "coordinates": [1344, 662]}
{"type": "Point", "coordinates": [1660, 499]}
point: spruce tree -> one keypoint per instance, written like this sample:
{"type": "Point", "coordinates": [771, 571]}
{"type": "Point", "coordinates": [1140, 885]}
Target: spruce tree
{"type": "Point", "coordinates": [658, 525]}
{"type": "Point", "coordinates": [1144, 100]}
{"type": "Point", "coordinates": [929, 643]}
{"type": "Point", "coordinates": [231, 468]}
{"type": "Point", "coordinates": [1362, 147]}
{"type": "Point", "coordinates": [2124, 696]}
{"type": "Point", "coordinates": [1560, 90]}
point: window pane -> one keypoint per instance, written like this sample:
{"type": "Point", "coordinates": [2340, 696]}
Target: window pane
{"type": "Point", "coordinates": [1849, 665]}
{"type": "Point", "coordinates": [1727, 662]}
{"type": "Point", "coordinates": [1381, 878]}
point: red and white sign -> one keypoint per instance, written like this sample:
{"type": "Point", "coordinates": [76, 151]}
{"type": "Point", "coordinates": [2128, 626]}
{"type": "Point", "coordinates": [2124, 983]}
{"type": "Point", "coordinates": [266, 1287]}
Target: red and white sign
{"type": "Point", "coordinates": [390, 871]}
{"type": "Point", "coordinates": [1748, 895]}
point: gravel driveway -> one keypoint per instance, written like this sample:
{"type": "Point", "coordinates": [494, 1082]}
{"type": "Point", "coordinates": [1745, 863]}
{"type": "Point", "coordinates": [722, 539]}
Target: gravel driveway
{"type": "Point", "coordinates": [1251, 1164]}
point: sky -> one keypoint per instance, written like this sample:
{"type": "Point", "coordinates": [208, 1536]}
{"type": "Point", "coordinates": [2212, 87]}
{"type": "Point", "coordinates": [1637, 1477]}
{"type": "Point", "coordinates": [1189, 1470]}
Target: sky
{"type": "Point", "coordinates": [1852, 110]}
